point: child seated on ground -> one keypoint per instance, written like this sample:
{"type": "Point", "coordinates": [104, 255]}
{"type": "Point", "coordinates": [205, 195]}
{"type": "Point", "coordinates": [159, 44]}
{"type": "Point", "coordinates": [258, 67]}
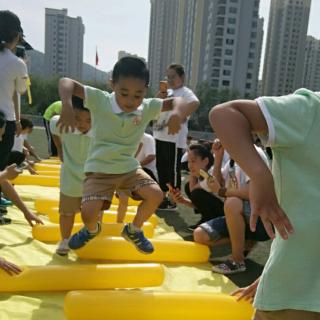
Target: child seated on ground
{"type": "Point", "coordinates": [72, 149]}
{"type": "Point", "coordinates": [204, 202]}
{"type": "Point", "coordinates": [230, 183]}
{"type": "Point", "coordinates": [119, 120]}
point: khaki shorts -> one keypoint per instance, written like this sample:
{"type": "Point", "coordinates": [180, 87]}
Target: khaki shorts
{"type": "Point", "coordinates": [101, 186]}
{"type": "Point", "coordinates": [69, 205]}
{"type": "Point", "coordinates": [286, 315]}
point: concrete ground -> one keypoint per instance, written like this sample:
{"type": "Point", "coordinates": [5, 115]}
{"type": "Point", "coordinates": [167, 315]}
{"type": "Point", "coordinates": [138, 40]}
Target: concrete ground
{"type": "Point", "coordinates": [180, 220]}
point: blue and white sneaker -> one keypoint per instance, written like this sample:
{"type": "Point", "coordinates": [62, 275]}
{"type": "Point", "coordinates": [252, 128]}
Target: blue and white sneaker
{"type": "Point", "coordinates": [138, 239]}
{"type": "Point", "coordinates": [79, 239]}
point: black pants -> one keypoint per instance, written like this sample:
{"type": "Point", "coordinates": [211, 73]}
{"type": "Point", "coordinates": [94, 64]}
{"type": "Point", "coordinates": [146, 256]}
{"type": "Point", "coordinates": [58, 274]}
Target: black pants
{"type": "Point", "coordinates": [166, 163]}
{"type": "Point", "coordinates": [7, 143]}
{"type": "Point", "coordinates": [150, 173]}
{"type": "Point", "coordinates": [51, 146]}
{"type": "Point", "coordinates": [207, 204]}
{"type": "Point", "coordinates": [16, 157]}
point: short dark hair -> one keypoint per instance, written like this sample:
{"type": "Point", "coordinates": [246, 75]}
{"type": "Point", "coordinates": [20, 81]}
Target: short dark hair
{"type": "Point", "coordinates": [26, 123]}
{"type": "Point", "coordinates": [203, 152]}
{"type": "Point", "coordinates": [178, 68]}
{"type": "Point", "coordinates": [131, 67]}
{"type": "Point", "coordinates": [77, 103]}
{"type": "Point", "coordinates": [10, 27]}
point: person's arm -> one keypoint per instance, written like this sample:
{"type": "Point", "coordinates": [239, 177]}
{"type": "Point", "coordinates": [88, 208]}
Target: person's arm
{"type": "Point", "coordinates": [218, 151]}
{"type": "Point", "coordinates": [58, 144]}
{"type": "Point", "coordinates": [244, 117]}
{"type": "Point", "coordinates": [17, 110]}
{"type": "Point", "coordinates": [11, 193]}
{"type": "Point", "coordinates": [149, 158]}
{"type": "Point", "coordinates": [9, 267]}
{"type": "Point", "coordinates": [31, 149]}
{"type": "Point", "coordinates": [68, 88]}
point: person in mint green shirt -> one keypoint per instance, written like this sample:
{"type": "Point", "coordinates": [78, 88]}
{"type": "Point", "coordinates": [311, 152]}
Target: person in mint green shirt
{"type": "Point", "coordinates": [73, 151]}
{"type": "Point", "coordinates": [288, 200]}
{"type": "Point", "coordinates": [119, 120]}
{"type": "Point", "coordinates": [53, 110]}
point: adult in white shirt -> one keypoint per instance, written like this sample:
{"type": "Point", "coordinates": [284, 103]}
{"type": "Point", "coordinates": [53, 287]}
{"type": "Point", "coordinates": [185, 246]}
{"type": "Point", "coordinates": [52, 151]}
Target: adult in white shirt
{"type": "Point", "coordinates": [169, 148]}
{"type": "Point", "coordinates": [13, 75]}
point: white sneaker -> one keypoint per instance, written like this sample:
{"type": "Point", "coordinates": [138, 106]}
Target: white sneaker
{"type": "Point", "coordinates": [63, 248]}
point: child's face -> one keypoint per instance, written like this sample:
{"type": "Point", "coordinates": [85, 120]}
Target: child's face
{"type": "Point", "coordinates": [83, 120]}
{"type": "Point", "coordinates": [174, 80]}
{"type": "Point", "coordinates": [26, 130]}
{"type": "Point", "coordinates": [195, 163]}
{"type": "Point", "coordinates": [129, 92]}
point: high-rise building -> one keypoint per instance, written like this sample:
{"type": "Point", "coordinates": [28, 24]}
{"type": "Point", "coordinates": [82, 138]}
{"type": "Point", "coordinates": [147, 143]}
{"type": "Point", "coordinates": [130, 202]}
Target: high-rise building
{"type": "Point", "coordinates": [311, 74]}
{"type": "Point", "coordinates": [285, 46]}
{"type": "Point", "coordinates": [162, 38]}
{"type": "Point", "coordinates": [218, 41]}
{"type": "Point", "coordinates": [63, 44]}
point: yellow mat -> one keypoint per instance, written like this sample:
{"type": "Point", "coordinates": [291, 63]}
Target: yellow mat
{"type": "Point", "coordinates": [17, 245]}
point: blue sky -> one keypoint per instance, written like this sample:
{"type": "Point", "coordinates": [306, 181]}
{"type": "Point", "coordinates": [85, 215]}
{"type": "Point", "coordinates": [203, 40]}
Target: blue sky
{"type": "Point", "coordinates": [111, 25]}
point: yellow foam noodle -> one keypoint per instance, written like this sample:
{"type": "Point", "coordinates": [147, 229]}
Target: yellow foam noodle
{"type": "Point", "coordinates": [146, 305]}
{"type": "Point", "coordinates": [44, 205]}
{"type": "Point", "coordinates": [49, 173]}
{"type": "Point", "coordinates": [131, 202]}
{"type": "Point", "coordinates": [46, 167]}
{"type": "Point", "coordinates": [51, 233]}
{"type": "Point", "coordinates": [109, 216]}
{"type": "Point", "coordinates": [37, 180]}
{"type": "Point", "coordinates": [51, 161]}
{"type": "Point", "coordinates": [75, 277]}
{"type": "Point", "coordinates": [118, 249]}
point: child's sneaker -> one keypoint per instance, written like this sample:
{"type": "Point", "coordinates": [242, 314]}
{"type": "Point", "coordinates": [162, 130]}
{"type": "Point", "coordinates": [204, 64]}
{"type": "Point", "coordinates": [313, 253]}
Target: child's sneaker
{"type": "Point", "coordinates": [5, 202]}
{"type": "Point", "coordinates": [63, 248]}
{"type": "Point", "coordinates": [138, 239]}
{"type": "Point", "coordinates": [229, 267]}
{"type": "Point", "coordinates": [79, 239]}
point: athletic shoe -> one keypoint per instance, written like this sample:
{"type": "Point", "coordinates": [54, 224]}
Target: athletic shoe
{"type": "Point", "coordinates": [79, 239]}
{"type": "Point", "coordinates": [138, 239]}
{"type": "Point", "coordinates": [63, 248]}
{"type": "Point", "coordinates": [166, 205]}
{"type": "Point", "coordinates": [5, 202]}
{"type": "Point", "coordinates": [229, 267]}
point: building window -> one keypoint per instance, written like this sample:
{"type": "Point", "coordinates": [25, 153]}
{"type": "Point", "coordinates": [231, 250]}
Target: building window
{"type": "Point", "coordinates": [217, 52]}
{"type": "Point", "coordinates": [214, 83]}
{"type": "Point", "coordinates": [248, 86]}
{"type": "Point", "coordinates": [219, 32]}
{"type": "Point", "coordinates": [229, 41]}
{"type": "Point", "coordinates": [227, 62]}
{"type": "Point", "coordinates": [249, 75]}
{"type": "Point", "coordinates": [233, 10]}
{"type": "Point", "coordinates": [216, 63]}
{"type": "Point", "coordinates": [228, 52]}
{"type": "Point", "coordinates": [230, 31]}
{"type": "Point", "coordinates": [250, 65]}
{"type": "Point", "coordinates": [251, 55]}
{"type": "Point", "coordinates": [253, 35]}
{"type": "Point", "coordinates": [252, 45]}
{"type": "Point", "coordinates": [226, 83]}
{"type": "Point", "coordinates": [254, 24]}
{"type": "Point", "coordinates": [218, 42]}
{"type": "Point", "coordinates": [232, 20]}
{"type": "Point", "coordinates": [215, 73]}
{"type": "Point", "coordinates": [221, 2]}
{"type": "Point", "coordinates": [226, 72]}
{"type": "Point", "coordinates": [220, 21]}
{"type": "Point", "coordinates": [222, 10]}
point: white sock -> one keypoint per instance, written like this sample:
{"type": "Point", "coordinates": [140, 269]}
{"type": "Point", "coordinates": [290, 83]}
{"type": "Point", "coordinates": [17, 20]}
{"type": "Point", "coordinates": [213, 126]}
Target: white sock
{"type": "Point", "coordinates": [132, 228]}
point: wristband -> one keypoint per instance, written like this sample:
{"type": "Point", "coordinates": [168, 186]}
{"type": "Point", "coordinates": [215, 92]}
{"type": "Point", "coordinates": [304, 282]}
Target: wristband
{"type": "Point", "coordinates": [222, 192]}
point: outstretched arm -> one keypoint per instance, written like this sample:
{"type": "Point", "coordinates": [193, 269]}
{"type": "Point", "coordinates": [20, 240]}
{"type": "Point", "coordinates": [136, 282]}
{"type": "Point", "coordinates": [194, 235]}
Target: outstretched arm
{"type": "Point", "coordinates": [239, 119]}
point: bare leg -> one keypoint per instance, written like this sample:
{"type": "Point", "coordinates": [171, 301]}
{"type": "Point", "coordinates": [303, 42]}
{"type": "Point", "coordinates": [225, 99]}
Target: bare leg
{"type": "Point", "coordinates": [202, 237]}
{"type": "Point", "coordinates": [90, 212]}
{"type": "Point", "coordinates": [66, 224]}
{"type": "Point", "coordinates": [122, 207]}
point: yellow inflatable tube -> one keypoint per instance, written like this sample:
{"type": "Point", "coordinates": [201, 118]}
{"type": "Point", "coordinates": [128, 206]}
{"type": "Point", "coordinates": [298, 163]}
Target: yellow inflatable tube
{"type": "Point", "coordinates": [51, 161]}
{"type": "Point", "coordinates": [38, 180]}
{"type": "Point", "coordinates": [51, 233]}
{"type": "Point", "coordinates": [44, 205]}
{"type": "Point", "coordinates": [49, 173]}
{"type": "Point", "coordinates": [46, 167]}
{"type": "Point", "coordinates": [109, 216]}
{"type": "Point", "coordinates": [118, 249]}
{"type": "Point", "coordinates": [74, 277]}
{"type": "Point", "coordinates": [146, 305]}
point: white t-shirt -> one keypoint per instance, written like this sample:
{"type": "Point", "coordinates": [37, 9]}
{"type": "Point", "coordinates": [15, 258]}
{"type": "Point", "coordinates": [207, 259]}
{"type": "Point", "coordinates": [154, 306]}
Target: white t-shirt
{"type": "Point", "coordinates": [18, 142]}
{"type": "Point", "coordinates": [148, 148]}
{"type": "Point", "coordinates": [13, 74]}
{"type": "Point", "coordinates": [161, 133]}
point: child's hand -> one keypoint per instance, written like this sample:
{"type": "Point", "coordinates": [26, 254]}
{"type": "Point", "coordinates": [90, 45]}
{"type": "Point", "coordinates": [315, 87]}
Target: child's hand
{"type": "Point", "coordinates": [67, 119]}
{"type": "Point", "coordinates": [213, 184]}
{"type": "Point", "coordinates": [162, 95]}
{"type": "Point", "coordinates": [30, 217]}
{"type": "Point", "coordinates": [176, 195]}
{"type": "Point", "coordinates": [174, 123]}
{"type": "Point", "coordinates": [11, 172]}
{"type": "Point", "coordinates": [247, 293]}
{"type": "Point", "coordinates": [264, 203]}
{"type": "Point", "coordinates": [9, 267]}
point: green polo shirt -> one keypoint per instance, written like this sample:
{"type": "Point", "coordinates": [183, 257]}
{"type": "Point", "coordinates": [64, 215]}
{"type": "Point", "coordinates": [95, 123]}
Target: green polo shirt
{"type": "Point", "coordinates": [291, 277]}
{"type": "Point", "coordinates": [116, 134]}
{"type": "Point", "coordinates": [75, 146]}
{"type": "Point", "coordinates": [54, 109]}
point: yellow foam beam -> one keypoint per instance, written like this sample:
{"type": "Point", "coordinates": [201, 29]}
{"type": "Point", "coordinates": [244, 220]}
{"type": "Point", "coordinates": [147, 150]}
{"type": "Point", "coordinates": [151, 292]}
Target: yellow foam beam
{"type": "Point", "coordinates": [83, 277]}
{"type": "Point", "coordinates": [109, 216]}
{"type": "Point", "coordinates": [118, 249]}
{"type": "Point", "coordinates": [44, 205]}
{"type": "Point", "coordinates": [146, 305]}
{"type": "Point", "coordinates": [38, 180]}
{"type": "Point", "coordinates": [49, 173]}
{"type": "Point", "coordinates": [51, 161]}
{"type": "Point", "coordinates": [46, 167]}
{"type": "Point", "coordinates": [51, 233]}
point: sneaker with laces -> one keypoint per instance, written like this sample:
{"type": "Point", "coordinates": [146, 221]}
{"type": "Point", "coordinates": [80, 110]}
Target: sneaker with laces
{"type": "Point", "coordinates": [138, 239]}
{"type": "Point", "coordinates": [167, 205]}
{"type": "Point", "coordinates": [79, 239]}
{"type": "Point", "coordinates": [5, 202]}
{"type": "Point", "coordinates": [63, 248]}
{"type": "Point", "coordinates": [229, 267]}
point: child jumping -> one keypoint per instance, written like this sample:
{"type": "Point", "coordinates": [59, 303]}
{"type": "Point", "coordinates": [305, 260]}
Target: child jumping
{"type": "Point", "coordinates": [119, 120]}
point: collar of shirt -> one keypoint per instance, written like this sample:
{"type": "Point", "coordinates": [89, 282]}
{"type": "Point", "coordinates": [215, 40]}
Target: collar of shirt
{"type": "Point", "coordinates": [117, 110]}
{"type": "Point", "coordinates": [89, 133]}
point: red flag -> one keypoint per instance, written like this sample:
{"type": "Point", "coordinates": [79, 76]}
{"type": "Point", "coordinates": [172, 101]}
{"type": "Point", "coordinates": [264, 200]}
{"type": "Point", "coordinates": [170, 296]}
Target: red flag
{"type": "Point", "coordinates": [97, 58]}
